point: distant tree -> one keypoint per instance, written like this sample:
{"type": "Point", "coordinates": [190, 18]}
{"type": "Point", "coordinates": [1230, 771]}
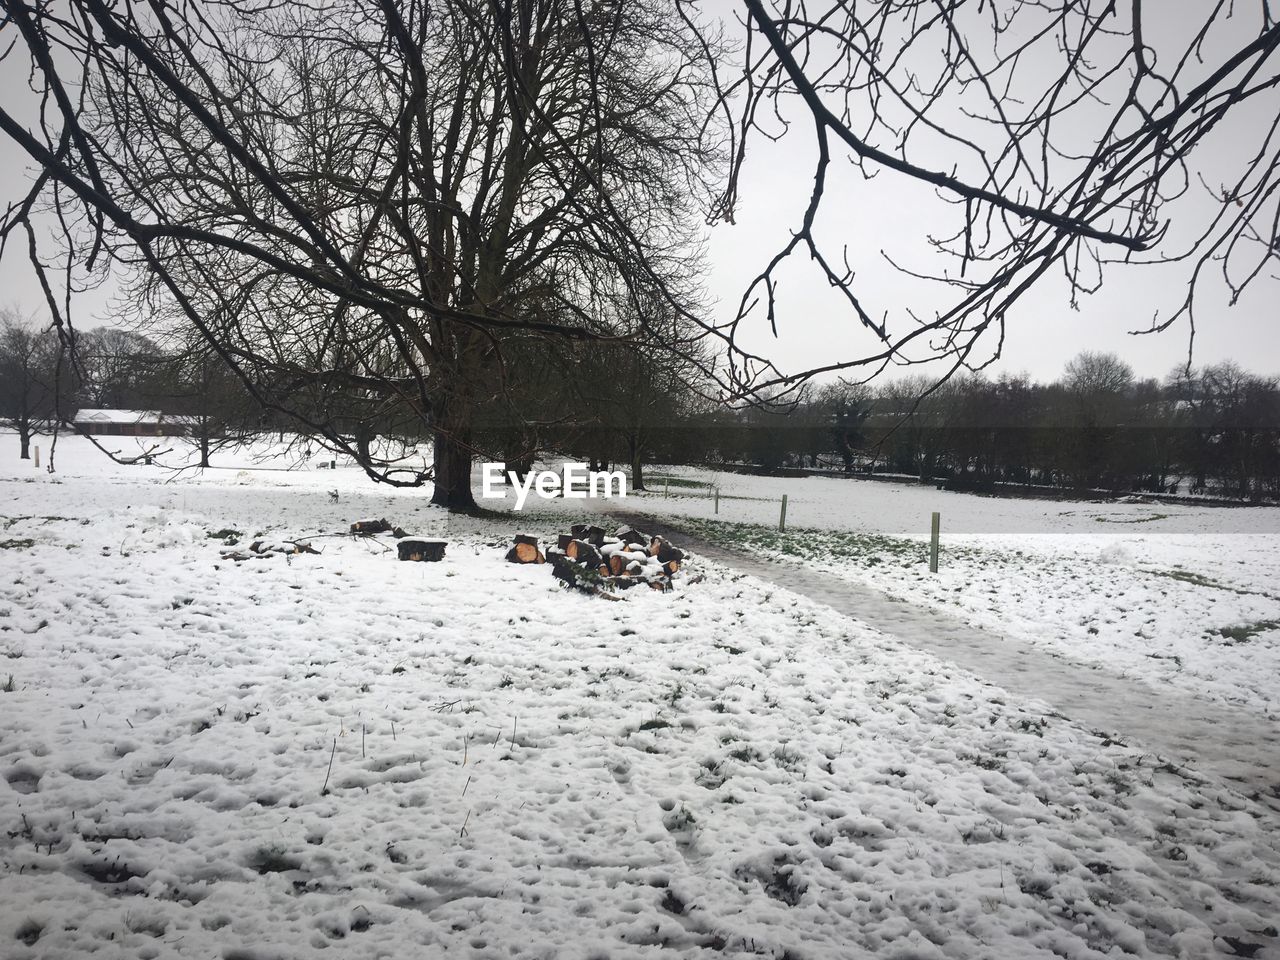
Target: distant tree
{"type": "Point", "coordinates": [1239, 415]}
{"type": "Point", "coordinates": [841, 410]}
{"type": "Point", "coordinates": [1096, 411]}
{"type": "Point", "coordinates": [217, 411]}
{"type": "Point", "coordinates": [28, 372]}
{"type": "Point", "coordinates": [119, 369]}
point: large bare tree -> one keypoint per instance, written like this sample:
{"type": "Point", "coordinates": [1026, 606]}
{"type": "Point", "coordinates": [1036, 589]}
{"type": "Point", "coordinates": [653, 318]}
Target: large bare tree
{"type": "Point", "coordinates": [358, 206]}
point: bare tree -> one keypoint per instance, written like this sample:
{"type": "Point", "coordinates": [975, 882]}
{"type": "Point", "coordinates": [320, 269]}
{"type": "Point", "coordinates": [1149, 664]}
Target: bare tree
{"type": "Point", "coordinates": [1042, 139]}
{"type": "Point", "coordinates": [117, 368]}
{"type": "Point", "coordinates": [28, 376]}
{"type": "Point", "coordinates": [358, 206]}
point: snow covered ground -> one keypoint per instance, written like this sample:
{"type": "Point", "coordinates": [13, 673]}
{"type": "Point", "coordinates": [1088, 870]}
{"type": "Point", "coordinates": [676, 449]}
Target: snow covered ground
{"type": "Point", "coordinates": [517, 771]}
{"type": "Point", "coordinates": [1164, 593]}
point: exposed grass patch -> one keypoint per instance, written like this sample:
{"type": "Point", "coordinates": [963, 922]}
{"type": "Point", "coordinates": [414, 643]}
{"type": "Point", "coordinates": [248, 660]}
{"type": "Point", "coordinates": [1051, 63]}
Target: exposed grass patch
{"type": "Point", "coordinates": [847, 547]}
{"type": "Point", "coordinates": [1199, 580]}
{"type": "Point", "coordinates": [1154, 516]}
{"type": "Point", "coordinates": [1243, 633]}
{"type": "Point", "coordinates": [23, 543]}
{"type": "Point", "coordinates": [678, 482]}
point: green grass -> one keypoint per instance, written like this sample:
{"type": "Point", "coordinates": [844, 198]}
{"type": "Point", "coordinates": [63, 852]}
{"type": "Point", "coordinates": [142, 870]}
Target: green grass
{"type": "Point", "coordinates": [824, 545]}
{"type": "Point", "coordinates": [677, 482]}
{"type": "Point", "coordinates": [21, 544]}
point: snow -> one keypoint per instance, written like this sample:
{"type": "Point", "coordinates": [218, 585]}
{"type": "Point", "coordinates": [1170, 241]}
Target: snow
{"type": "Point", "coordinates": [344, 755]}
{"type": "Point", "coordinates": [1168, 594]}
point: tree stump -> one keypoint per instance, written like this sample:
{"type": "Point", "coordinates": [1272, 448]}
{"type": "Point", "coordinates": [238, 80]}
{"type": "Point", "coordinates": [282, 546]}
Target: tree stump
{"type": "Point", "coordinates": [428, 551]}
{"type": "Point", "coordinates": [370, 526]}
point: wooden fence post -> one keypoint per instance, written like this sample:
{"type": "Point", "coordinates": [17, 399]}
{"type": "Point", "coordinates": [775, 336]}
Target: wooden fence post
{"type": "Point", "coordinates": [782, 519]}
{"type": "Point", "coordinates": [37, 464]}
{"type": "Point", "coordinates": [717, 499]}
{"type": "Point", "coordinates": [933, 542]}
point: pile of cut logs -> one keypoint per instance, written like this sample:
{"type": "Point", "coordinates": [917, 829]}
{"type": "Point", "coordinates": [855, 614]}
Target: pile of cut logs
{"type": "Point", "coordinates": [588, 559]}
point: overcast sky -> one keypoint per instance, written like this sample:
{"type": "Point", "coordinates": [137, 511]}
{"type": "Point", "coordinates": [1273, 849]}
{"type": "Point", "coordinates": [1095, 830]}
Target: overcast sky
{"type": "Point", "coordinates": [1044, 332]}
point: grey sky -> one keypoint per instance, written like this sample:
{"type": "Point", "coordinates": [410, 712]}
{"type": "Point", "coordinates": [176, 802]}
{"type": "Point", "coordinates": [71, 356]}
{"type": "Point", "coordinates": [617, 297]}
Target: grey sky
{"type": "Point", "coordinates": [1043, 333]}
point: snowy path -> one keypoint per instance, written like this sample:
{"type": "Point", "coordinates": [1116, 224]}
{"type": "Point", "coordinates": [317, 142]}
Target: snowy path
{"type": "Point", "coordinates": [1236, 745]}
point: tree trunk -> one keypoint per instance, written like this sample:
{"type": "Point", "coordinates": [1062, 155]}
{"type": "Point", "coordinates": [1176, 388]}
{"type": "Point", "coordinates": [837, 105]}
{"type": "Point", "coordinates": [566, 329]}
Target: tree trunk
{"type": "Point", "coordinates": [204, 446]}
{"type": "Point", "coordinates": [24, 438]}
{"type": "Point", "coordinates": [637, 463]}
{"type": "Point", "coordinates": [364, 440]}
{"type": "Point", "coordinates": [453, 470]}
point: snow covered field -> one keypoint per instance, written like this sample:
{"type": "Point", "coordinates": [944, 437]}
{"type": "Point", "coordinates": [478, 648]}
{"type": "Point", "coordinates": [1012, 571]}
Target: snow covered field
{"type": "Point", "coordinates": [516, 771]}
{"type": "Point", "coordinates": [1188, 595]}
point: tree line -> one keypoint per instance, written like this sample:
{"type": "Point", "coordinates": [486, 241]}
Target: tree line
{"type": "Point", "coordinates": [1212, 430]}
{"type": "Point", "coordinates": [42, 386]}
{"type": "Point", "coordinates": [1208, 430]}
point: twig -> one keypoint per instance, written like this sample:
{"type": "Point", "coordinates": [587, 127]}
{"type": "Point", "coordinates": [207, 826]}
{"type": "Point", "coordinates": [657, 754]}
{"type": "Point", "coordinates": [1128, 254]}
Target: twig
{"type": "Point", "coordinates": [514, 721]}
{"type": "Point", "coordinates": [324, 791]}
{"type": "Point", "coordinates": [465, 785]}
{"type": "Point", "coordinates": [463, 832]}
{"type": "Point", "coordinates": [362, 741]}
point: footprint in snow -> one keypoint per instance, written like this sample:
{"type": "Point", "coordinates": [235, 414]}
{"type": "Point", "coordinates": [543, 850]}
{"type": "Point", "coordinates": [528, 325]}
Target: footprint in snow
{"type": "Point", "coordinates": [23, 778]}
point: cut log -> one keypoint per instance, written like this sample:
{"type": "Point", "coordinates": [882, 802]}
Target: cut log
{"type": "Point", "coordinates": [593, 536]}
{"type": "Point", "coordinates": [631, 536]}
{"type": "Point", "coordinates": [399, 533]}
{"type": "Point", "coordinates": [428, 551]}
{"type": "Point", "coordinates": [617, 564]}
{"type": "Point", "coordinates": [661, 584]}
{"type": "Point", "coordinates": [671, 567]}
{"type": "Point", "coordinates": [667, 553]}
{"type": "Point", "coordinates": [370, 526]}
{"type": "Point", "coordinates": [583, 552]}
{"type": "Point", "coordinates": [577, 530]}
{"type": "Point", "coordinates": [562, 543]}
{"type": "Point", "coordinates": [525, 550]}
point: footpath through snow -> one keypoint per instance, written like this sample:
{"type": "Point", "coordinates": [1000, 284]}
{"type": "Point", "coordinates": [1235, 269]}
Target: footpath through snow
{"type": "Point", "coordinates": [1213, 738]}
